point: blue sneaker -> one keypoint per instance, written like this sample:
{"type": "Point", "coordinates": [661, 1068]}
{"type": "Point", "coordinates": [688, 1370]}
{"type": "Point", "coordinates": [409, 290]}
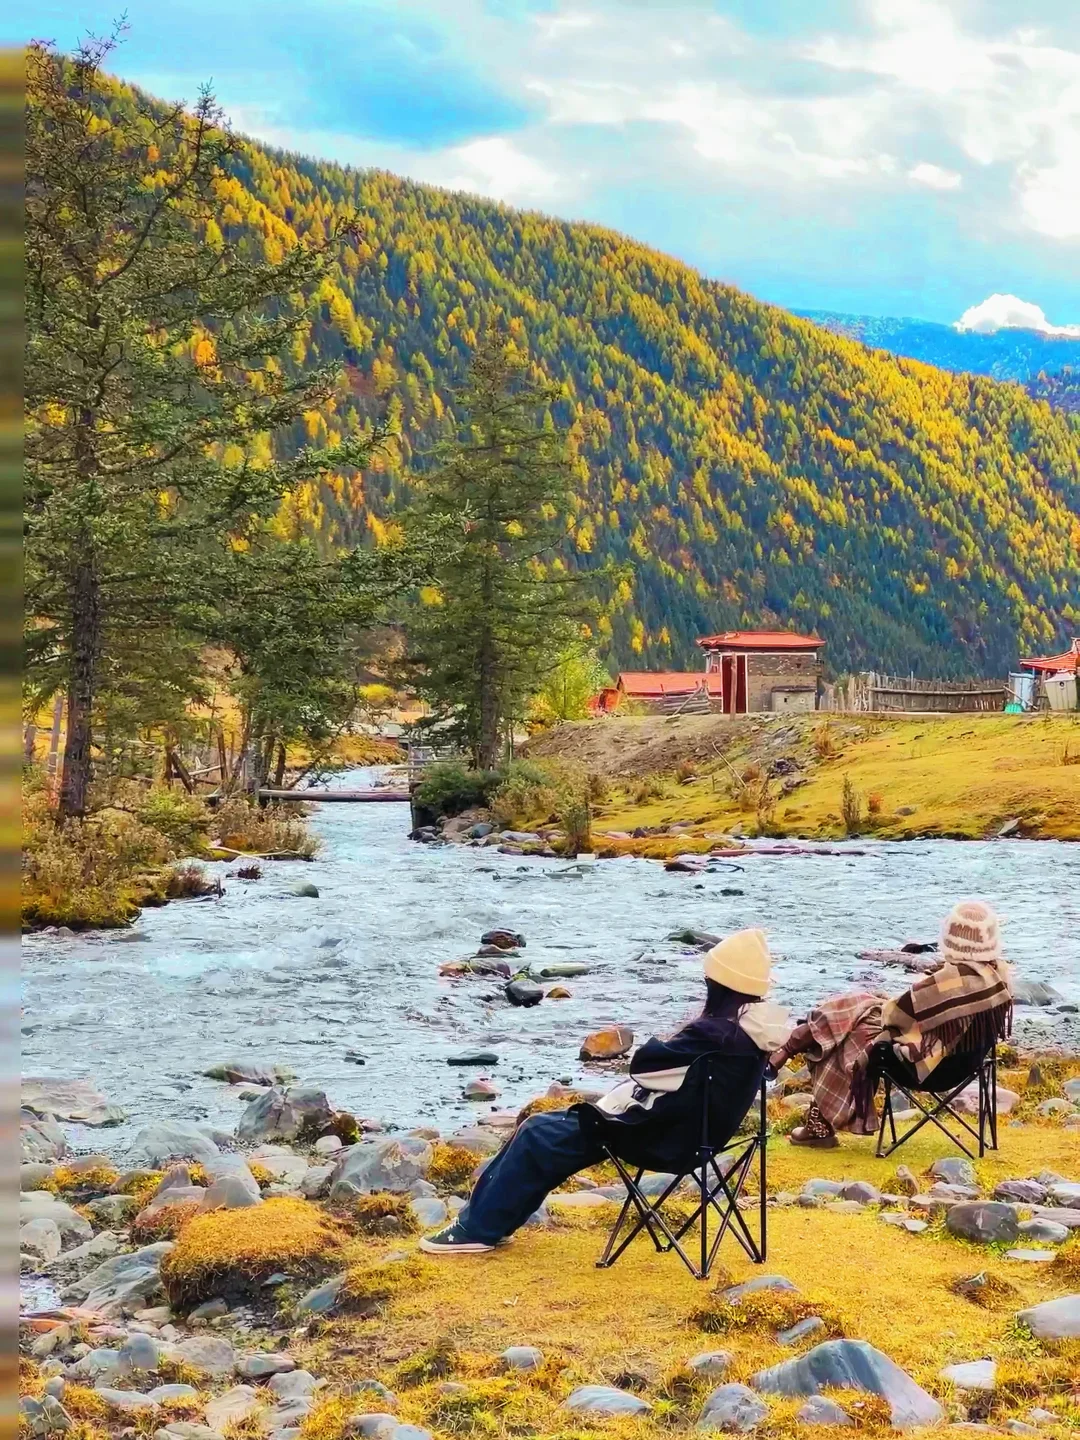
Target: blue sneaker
{"type": "Point", "coordinates": [453, 1241]}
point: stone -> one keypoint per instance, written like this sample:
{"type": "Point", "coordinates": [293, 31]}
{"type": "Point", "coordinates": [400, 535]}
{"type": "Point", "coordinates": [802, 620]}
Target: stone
{"type": "Point", "coordinates": [971, 1375]}
{"type": "Point", "coordinates": [985, 1221]}
{"type": "Point", "coordinates": [281, 1114]}
{"type": "Point", "coordinates": [1034, 992]}
{"type": "Point", "coordinates": [954, 1170]}
{"type": "Point", "coordinates": [1054, 1106]}
{"type": "Point", "coordinates": [480, 1090]}
{"type": "Point", "coordinates": [559, 992]}
{"type": "Point", "coordinates": [111, 1209]}
{"type": "Point", "coordinates": [711, 1363]}
{"type": "Point", "coordinates": [862, 1191]}
{"type": "Point", "coordinates": [906, 1222]}
{"type": "Point", "coordinates": [35, 1174]}
{"type": "Point", "coordinates": [751, 1287]}
{"type": "Point", "coordinates": [905, 1181]}
{"type": "Point", "coordinates": [844, 1207]}
{"type": "Point", "coordinates": [162, 1141]}
{"type": "Point", "coordinates": [1044, 1232]}
{"type": "Point", "coordinates": [944, 1191]}
{"type": "Point", "coordinates": [503, 939]}
{"type": "Point", "coordinates": [853, 1365]}
{"type": "Point", "coordinates": [233, 1406]}
{"type": "Point", "coordinates": [171, 1392]}
{"type": "Point", "coordinates": [1065, 1193]}
{"type": "Point", "coordinates": [290, 1384]}
{"type": "Point", "coordinates": [41, 1238]}
{"type": "Point", "coordinates": [129, 1400]}
{"type": "Point", "coordinates": [732, 1408]}
{"type": "Point", "coordinates": [140, 1352]}
{"type": "Point", "coordinates": [822, 1188]}
{"type": "Point", "coordinates": [1071, 1090]}
{"type": "Point", "coordinates": [799, 1331]}
{"type": "Point", "coordinates": [820, 1410]}
{"type": "Point", "coordinates": [371, 1387]}
{"type": "Point", "coordinates": [228, 1193]}
{"type": "Point", "coordinates": [229, 1165]}
{"type": "Point", "coordinates": [473, 1057]}
{"type": "Point", "coordinates": [1054, 1319]}
{"type": "Point", "coordinates": [306, 891]}
{"type": "Point", "coordinates": [967, 1102]}
{"type": "Point", "coordinates": [569, 970]}
{"type": "Point", "coordinates": [327, 1145]}
{"type": "Point", "coordinates": [1060, 1216]}
{"type": "Point", "coordinates": [260, 1363]}
{"type": "Point", "coordinates": [40, 1138]}
{"type": "Point", "coordinates": [607, 1044]}
{"type": "Point", "coordinates": [122, 1279]}
{"type": "Point", "coordinates": [74, 1100]}
{"type": "Point", "coordinates": [374, 1426]}
{"type": "Point", "coordinates": [522, 1357]}
{"type": "Point", "coordinates": [315, 1182]}
{"type": "Point", "coordinates": [605, 1400]}
{"type": "Point", "coordinates": [430, 1211]}
{"type": "Point", "coordinates": [42, 1205]}
{"type": "Point", "coordinates": [101, 1365]}
{"type": "Point", "coordinates": [1031, 1257]}
{"type": "Point", "coordinates": [186, 1430]}
{"type": "Point", "coordinates": [323, 1298]}
{"type": "Point", "coordinates": [212, 1354]}
{"type": "Point", "coordinates": [1020, 1192]}
{"type": "Point", "coordinates": [524, 993]}
{"type": "Point", "coordinates": [372, 1166]}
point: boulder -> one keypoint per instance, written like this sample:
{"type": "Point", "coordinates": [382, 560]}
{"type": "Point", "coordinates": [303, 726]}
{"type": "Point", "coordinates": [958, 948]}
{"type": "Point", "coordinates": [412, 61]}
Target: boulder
{"type": "Point", "coordinates": [503, 939]}
{"type": "Point", "coordinates": [140, 1352]}
{"type": "Point", "coordinates": [971, 1375]}
{"type": "Point", "coordinates": [1054, 1319]}
{"type": "Point", "coordinates": [210, 1353]}
{"type": "Point", "coordinates": [985, 1221]}
{"type": "Point", "coordinates": [820, 1410]}
{"type": "Point", "coordinates": [711, 1363]}
{"type": "Point", "coordinates": [607, 1044]}
{"type": "Point", "coordinates": [260, 1363]}
{"type": "Point", "coordinates": [1071, 1090]}
{"type": "Point", "coordinates": [40, 1238]}
{"type": "Point", "coordinates": [522, 1357]}
{"type": "Point", "coordinates": [293, 1384]}
{"type": "Point", "coordinates": [1020, 1192]}
{"type": "Point", "coordinates": [954, 1170]}
{"type": "Point", "coordinates": [473, 1057]}
{"type": "Point", "coordinates": [1035, 992]}
{"type": "Point", "coordinates": [231, 1166]}
{"type": "Point", "coordinates": [315, 1181]}
{"type": "Point", "coordinates": [524, 993]}
{"type": "Point", "coordinates": [1065, 1193]}
{"type": "Point", "coordinates": [480, 1090]}
{"type": "Point", "coordinates": [862, 1191]}
{"type": "Point", "coordinates": [282, 1114]}
{"type": "Point", "coordinates": [732, 1408]}
{"type": "Point", "coordinates": [167, 1140]}
{"type": "Point", "coordinates": [1044, 1232]}
{"type": "Point", "coordinates": [378, 1165]}
{"type": "Point", "coordinates": [233, 1406]}
{"type": "Point", "coordinates": [131, 1401]}
{"type": "Point", "coordinates": [228, 1193]}
{"type": "Point", "coordinates": [35, 1174]}
{"type": "Point", "coordinates": [74, 1100]}
{"type": "Point", "coordinates": [1060, 1216]}
{"type": "Point", "coordinates": [605, 1400]}
{"type": "Point", "coordinates": [121, 1280]}
{"type": "Point", "coordinates": [373, 1425]}
{"type": "Point", "coordinates": [239, 1072]}
{"type": "Point", "coordinates": [42, 1205]}
{"type": "Point", "coordinates": [823, 1187]}
{"type": "Point", "coordinates": [853, 1365]}
{"type": "Point", "coordinates": [967, 1102]}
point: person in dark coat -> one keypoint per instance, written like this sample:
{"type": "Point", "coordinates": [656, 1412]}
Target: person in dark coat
{"type": "Point", "coordinates": [647, 1115]}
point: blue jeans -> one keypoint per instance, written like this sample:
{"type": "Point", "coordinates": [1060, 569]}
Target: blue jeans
{"type": "Point", "coordinates": [543, 1152]}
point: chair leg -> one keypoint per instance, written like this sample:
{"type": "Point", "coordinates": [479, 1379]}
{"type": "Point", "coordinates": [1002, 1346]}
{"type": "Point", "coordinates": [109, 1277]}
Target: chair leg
{"type": "Point", "coordinates": [886, 1115]}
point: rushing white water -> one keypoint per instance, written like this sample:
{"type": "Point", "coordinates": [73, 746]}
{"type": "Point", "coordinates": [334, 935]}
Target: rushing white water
{"type": "Point", "coordinates": [264, 976]}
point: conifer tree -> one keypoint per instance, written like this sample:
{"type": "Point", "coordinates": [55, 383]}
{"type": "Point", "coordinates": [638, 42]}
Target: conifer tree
{"type": "Point", "coordinates": [505, 607]}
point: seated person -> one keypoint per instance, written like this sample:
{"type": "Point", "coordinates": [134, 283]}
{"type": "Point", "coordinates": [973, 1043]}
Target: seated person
{"type": "Point", "coordinates": [546, 1149]}
{"type": "Point", "coordinates": [964, 1004]}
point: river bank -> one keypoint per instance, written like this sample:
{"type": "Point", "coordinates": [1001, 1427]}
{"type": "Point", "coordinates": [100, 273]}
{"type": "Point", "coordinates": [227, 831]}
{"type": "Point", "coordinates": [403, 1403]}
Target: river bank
{"type": "Point", "coordinates": [915, 777]}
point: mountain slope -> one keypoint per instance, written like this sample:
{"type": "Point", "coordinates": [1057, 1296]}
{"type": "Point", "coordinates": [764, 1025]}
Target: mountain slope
{"type": "Point", "coordinates": [1007, 354]}
{"type": "Point", "coordinates": [756, 469]}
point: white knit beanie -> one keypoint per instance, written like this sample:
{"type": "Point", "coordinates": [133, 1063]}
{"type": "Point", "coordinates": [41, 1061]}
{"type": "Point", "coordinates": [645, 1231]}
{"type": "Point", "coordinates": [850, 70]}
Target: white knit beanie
{"type": "Point", "coordinates": [742, 962]}
{"type": "Point", "coordinates": [970, 932]}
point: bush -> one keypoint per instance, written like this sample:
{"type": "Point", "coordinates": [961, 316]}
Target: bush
{"type": "Point", "coordinates": [824, 741]}
{"type": "Point", "coordinates": [188, 881]}
{"type": "Point", "coordinates": [271, 830]}
{"type": "Point", "coordinates": [182, 818]}
{"type": "Point", "coordinates": [874, 802]}
{"type": "Point", "coordinates": [448, 788]}
{"type": "Point", "coordinates": [851, 808]}
{"type": "Point", "coordinates": [577, 827]}
{"type": "Point", "coordinates": [652, 787]}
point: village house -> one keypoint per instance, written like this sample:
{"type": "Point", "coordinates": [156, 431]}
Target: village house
{"type": "Point", "coordinates": [1053, 680]}
{"type": "Point", "coordinates": [745, 672]}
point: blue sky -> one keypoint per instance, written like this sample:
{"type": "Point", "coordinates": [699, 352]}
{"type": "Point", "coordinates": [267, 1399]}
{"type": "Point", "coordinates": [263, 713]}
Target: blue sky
{"type": "Point", "coordinates": [894, 157]}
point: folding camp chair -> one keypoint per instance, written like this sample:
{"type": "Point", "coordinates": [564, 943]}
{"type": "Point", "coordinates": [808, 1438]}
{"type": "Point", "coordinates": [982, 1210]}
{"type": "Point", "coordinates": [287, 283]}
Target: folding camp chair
{"type": "Point", "coordinates": [941, 1088]}
{"type": "Point", "coordinates": [718, 1165]}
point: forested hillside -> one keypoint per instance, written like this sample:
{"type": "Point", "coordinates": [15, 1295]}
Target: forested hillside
{"type": "Point", "coordinates": [755, 469]}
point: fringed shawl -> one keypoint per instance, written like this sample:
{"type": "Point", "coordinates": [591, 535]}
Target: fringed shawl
{"type": "Point", "coordinates": [963, 1005]}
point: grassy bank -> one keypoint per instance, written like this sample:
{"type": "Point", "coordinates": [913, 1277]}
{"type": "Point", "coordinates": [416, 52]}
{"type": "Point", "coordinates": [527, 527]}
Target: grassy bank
{"type": "Point", "coordinates": [963, 776]}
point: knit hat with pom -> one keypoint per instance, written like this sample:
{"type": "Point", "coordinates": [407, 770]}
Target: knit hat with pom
{"type": "Point", "coordinates": [742, 962]}
{"type": "Point", "coordinates": [970, 932]}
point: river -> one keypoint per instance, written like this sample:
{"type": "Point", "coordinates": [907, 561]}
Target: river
{"type": "Point", "coordinates": [265, 976]}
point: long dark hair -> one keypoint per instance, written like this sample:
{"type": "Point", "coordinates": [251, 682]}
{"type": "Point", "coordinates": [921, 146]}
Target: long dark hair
{"type": "Point", "coordinates": [723, 1003]}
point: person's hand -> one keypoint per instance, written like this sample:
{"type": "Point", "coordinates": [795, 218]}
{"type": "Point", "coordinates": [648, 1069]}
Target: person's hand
{"type": "Point", "coordinates": [777, 1060]}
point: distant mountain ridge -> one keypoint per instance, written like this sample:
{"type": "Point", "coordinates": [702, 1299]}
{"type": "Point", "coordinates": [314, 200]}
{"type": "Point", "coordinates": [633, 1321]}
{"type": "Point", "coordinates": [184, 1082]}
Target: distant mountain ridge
{"type": "Point", "coordinates": [1007, 354]}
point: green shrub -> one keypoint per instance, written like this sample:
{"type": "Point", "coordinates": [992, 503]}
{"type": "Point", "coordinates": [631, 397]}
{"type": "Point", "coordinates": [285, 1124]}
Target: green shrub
{"type": "Point", "coordinates": [241, 824]}
{"type": "Point", "coordinates": [448, 788]}
{"type": "Point", "coordinates": [182, 818]}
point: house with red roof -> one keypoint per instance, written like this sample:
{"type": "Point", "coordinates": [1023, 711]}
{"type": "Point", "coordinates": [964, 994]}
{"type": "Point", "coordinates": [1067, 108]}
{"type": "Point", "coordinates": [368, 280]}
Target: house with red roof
{"type": "Point", "coordinates": [745, 671]}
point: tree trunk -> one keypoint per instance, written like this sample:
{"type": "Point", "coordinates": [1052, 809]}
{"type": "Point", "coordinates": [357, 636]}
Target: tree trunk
{"type": "Point", "coordinates": [82, 682]}
{"type": "Point", "coordinates": [279, 773]}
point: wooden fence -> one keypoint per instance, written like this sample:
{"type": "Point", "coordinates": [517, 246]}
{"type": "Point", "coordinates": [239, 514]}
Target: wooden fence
{"type": "Point", "coordinates": [870, 692]}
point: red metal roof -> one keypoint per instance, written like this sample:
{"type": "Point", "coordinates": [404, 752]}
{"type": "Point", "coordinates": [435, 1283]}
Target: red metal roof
{"type": "Point", "coordinates": [656, 683]}
{"type": "Point", "coordinates": [760, 640]}
{"type": "Point", "coordinates": [1055, 664]}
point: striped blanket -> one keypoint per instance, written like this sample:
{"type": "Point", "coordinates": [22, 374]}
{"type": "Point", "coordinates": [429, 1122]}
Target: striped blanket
{"type": "Point", "coordinates": [965, 1005]}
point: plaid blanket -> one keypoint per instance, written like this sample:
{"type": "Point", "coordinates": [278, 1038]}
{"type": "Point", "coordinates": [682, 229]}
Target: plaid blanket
{"type": "Point", "coordinates": [965, 1005]}
{"type": "Point", "coordinates": [836, 1038]}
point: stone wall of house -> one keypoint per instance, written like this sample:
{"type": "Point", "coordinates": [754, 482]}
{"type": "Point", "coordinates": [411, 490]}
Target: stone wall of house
{"type": "Point", "coordinates": [794, 674]}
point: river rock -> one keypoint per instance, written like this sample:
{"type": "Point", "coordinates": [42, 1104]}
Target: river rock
{"type": "Point", "coordinates": [232, 1407]}
{"type": "Point", "coordinates": [131, 1401]}
{"type": "Point", "coordinates": [607, 1044]}
{"type": "Point", "coordinates": [1031, 1257]}
{"type": "Point", "coordinates": [378, 1165]}
{"type": "Point", "coordinates": [524, 993]}
{"type": "Point", "coordinates": [260, 1363]}
{"type": "Point", "coordinates": [1065, 1193]}
{"type": "Point", "coordinates": [228, 1193]}
{"type": "Point", "coordinates": [167, 1140]}
{"type": "Point", "coordinates": [323, 1298]}
{"type": "Point", "coordinates": [820, 1410]}
{"type": "Point", "coordinates": [568, 971]}
{"type": "Point", "coordinates": [473, 1057]}
{"type": "Point", "coordinates": [503, 939]}
{"type": "Point", "coordinates": [971, 1375]}
{"type": "Point", "coordinates": [800, 1330]}
{"type": "Point", "coordinates": [41, 1239]}
{"type": "Point", "coordinates": [480, 1090]}
{"type": "Point", "coordinates": [732, 1408]}
{"type": "Point", "coordinates": [700, 939]}
{"type": "Point", "coordinates": [239, 1072]}
{"type": "Point", "coordinates": [861, 1191]}
{"type": "Point", "coordinates": [315, 1182]}
{"type": "Point", "coordinates": [210, 1353]}
{"type": "Point", "coordinates": [282, 1114]}
{"type": "Point", "coordinates": [140, 1352]}
{"type": "Point", "coordinates": [1020, 1192]}
{"type": "Point", "coordinates": [35, 1174]}
{"type": "Point", "coordinates": [1054, 1319]}
{"type": "Point", "coordinates": [940, 1190]}
{"type": "Point", "coordinates": [430, 1211]}
{"type": "Point", "coordinates": [853, 1365]}
{"type": "Point", "coordinates": [954, 1170]}
{"type": "Point", "coordinates": [605, 1400]}
{"type": "Point", "coordinates": [328, 1145]}
{"type": "Point", "coordinates": [522, 1357]}
{"type": "Point", "coordinates": [74, 1100]}
{"type": "Point", "coordinates": [1035, 992]}
{"type": "Point", "coordinates": [122, 1280]}
{"type": "Point", "coordinates": [1043, 1232]}
{"type": "Point", "coordinates": [711, 1364]}
{"type": "Point", "coordinates": [967, 1102]}
{"type": "Point", "coordinates": [43, 1205]}
{"type": "Point", "coordinates": [293, 1384]}
{"type": "Point", "coordinates": [373, 1425]}
{"type": "Point", "coordinates": [307, 891]}
{"type": "Point", "coordinates": [1071, 1090]}
{"type": "Point", "coordinates": [985, 1221]}
{"type": "Point", "coordinates": [1060, 1215]}
{"type": "Point", "coordinates": [751, 1287]}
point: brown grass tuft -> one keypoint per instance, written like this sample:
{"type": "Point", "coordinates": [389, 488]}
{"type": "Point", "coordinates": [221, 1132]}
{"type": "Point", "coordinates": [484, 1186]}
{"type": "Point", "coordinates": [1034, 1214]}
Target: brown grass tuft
{"type": "Point", "coordinates": [452, 1166]}
{"type": "Point", "coordinates": [164, 1223]}
{"type": "Point", "coordinates": [383, 1214]}
{"type": "Point", "coordinates": [762, 1311]}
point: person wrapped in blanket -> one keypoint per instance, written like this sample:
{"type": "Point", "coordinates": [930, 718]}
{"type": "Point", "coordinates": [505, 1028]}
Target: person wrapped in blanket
{"type": "Point", "coordinates": [649, 1108]}
{"type": "Point", "coordinates": [965, 1003]}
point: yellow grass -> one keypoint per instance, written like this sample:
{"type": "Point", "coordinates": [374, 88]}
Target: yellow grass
{"type": "Point", "coordinates": [960, 776]}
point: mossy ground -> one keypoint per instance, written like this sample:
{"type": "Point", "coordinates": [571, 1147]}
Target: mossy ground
{"type": "Point", "coordinates": [635, 1325]}
{"type": "Point", "coordinates": [958, 776]}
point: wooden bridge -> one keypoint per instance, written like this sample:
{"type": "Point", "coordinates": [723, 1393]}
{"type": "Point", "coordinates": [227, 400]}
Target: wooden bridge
{"type": "Point", "coordinates": [354, 797]}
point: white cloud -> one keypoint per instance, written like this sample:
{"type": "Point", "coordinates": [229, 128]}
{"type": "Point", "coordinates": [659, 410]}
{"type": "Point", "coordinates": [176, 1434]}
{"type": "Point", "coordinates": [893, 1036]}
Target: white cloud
{"type": "Point", "coordinates": [934, 177]}
{"type": "Point", "coordinates": [1009, 312]}
{"type": "Point", "coordinates": [497, 168]}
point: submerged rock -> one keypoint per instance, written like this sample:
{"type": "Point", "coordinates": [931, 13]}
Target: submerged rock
{"type": "Point", "coordinates": [853, 1365]}
{"type": "Point", "coordinates": [74, 1100]}
{"type": "Point", "coordinates": [524, 993]}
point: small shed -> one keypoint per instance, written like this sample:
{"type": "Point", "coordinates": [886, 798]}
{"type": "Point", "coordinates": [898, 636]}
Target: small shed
{"type": "Point", "coordinates": [1056, 677]}
{"type": "Point", "coordinates": [666, 690]}
{"type": "Point", "coordinates": [763, 670]}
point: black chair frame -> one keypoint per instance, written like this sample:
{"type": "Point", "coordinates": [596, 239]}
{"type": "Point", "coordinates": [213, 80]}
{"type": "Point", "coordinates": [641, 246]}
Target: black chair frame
{"type": "Point", "coordinates": [719, 1174]}
{"type": "Point", "coordinates": [941, 1102]}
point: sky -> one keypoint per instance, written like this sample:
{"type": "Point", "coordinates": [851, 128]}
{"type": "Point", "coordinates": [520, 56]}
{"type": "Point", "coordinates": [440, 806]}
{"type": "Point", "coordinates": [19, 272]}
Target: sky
{"type": "Point", "coordinates": [884, 157]}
